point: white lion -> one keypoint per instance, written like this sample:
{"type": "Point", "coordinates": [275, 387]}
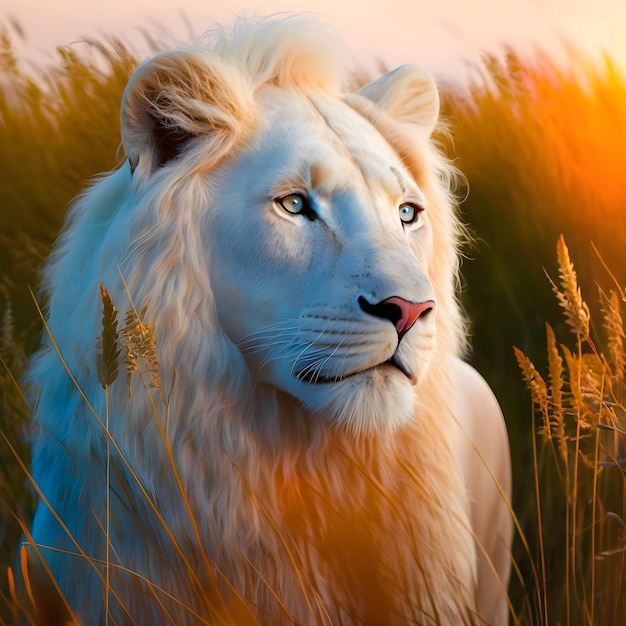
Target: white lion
{"type": "Point", "coordinates": [315, 452]}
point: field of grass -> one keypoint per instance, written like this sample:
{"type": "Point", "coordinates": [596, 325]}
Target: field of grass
{"type": "Point", "coordinates": [537, 143]}
{"type": "Point", "coordinates": [541, 146]}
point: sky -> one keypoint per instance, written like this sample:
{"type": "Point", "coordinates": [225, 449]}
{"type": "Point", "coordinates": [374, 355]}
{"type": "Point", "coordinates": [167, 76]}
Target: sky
{"type": "Point", "coordinates": [447, 37]}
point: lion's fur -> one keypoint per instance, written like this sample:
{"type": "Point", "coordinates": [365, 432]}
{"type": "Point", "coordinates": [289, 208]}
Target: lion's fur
{"type": "Point", "coordinates": [312, 520]}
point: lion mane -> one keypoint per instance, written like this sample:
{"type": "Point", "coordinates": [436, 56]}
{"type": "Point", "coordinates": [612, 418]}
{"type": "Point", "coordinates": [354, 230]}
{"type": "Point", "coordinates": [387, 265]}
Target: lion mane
{"type": "Point", "coordinates": [251, 477]}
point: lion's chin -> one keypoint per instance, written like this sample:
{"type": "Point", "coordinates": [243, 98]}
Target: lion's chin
{"type": "Point", "coordinates": [380, 399]}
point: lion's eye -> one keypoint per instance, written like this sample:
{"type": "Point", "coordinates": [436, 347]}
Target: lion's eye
{"type": "Point", "coordinates": [294, 203]}
{"type": "Point", "coordinates": [409, 212]}
{"type": "Point", "coordinates": [297, 204]}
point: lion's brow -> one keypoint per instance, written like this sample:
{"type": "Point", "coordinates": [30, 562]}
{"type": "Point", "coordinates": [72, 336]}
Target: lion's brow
{"type": "Point", "coordinates": [318, 174]}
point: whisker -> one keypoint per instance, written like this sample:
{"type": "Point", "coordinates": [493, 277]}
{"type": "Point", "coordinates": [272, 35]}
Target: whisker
{"type": "Point", "coordinates": [323, 364]}
{"type": "Point", "coordinates": [309, 343]}
{"type": "Point", "coordinates": [282, 333]}
{"type": "Point", "coordinates": [270, 331]}
{"type": "Point", "coordinates": [312, 358]}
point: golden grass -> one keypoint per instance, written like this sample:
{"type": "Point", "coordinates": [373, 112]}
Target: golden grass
{"type": "Point", "coordinates": [584, 426]}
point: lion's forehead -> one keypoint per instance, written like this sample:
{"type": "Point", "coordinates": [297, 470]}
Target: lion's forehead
{"type": "Point", "coordinates": [326, 143]}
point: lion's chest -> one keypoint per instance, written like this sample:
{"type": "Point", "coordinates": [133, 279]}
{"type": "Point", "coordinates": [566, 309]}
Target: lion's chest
{"type": "Point", "coordinates": [345, 545]}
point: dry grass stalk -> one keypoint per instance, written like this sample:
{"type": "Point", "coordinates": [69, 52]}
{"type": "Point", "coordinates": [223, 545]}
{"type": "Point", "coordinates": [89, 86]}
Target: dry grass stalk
{"type": "Point", "coordinates": [614, 327]}
{"type": "Point", "coordinates": [576, 310]}
{"type": "Point", "coordinates": [555, 378]}
{"type": "Point", "coordinates": [108, 355]}
{"type": "Point", "coordinates": [537, 386]}
{"type": "Point", "coordinates": [585, 383]}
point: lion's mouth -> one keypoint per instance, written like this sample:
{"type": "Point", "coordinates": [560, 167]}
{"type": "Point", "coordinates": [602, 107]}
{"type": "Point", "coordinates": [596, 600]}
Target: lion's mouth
{"type": "Point", "coordinates": [313, 377]}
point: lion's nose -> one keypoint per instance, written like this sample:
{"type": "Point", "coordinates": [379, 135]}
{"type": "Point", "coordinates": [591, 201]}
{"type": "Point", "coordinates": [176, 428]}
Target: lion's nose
{"type": "Point", "coordinates": [400, 312]}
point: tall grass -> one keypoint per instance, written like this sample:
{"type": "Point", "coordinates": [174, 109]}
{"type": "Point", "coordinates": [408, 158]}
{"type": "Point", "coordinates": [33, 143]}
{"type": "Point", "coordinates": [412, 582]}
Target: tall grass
{"type": "Point", "coordinates": [540, 146]}
{"type": "Point", "coordinates": [538, 142]}
{"type": "Point", "coordinates": [59, 126]}
{"type": "Point", "coordinates": [581, 406]}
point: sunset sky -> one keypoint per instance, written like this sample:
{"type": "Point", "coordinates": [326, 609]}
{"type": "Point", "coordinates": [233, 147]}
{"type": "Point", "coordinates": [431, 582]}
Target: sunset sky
{"type": "Point", "coordinates": [442, 35]}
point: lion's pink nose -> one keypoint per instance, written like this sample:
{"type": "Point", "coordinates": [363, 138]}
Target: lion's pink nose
{"type": "Point", "coordinates": [400, 312]}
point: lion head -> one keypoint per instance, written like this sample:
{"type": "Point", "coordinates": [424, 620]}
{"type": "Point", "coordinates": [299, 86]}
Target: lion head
{"type": "Point", "coordinates": [320, 220]}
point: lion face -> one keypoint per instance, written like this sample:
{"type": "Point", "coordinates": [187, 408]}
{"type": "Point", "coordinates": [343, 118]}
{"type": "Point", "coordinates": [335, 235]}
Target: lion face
{"type": "Point", "coordinates": [319, 241]}
{"type": "Point", "coordinates": [317, 235]}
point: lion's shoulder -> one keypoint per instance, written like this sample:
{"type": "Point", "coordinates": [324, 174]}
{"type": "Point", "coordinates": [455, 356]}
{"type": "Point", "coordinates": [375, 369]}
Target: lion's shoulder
{"type": "Point", "coordinates": [480, 443]}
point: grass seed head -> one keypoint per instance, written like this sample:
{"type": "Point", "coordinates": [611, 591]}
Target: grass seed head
{"type": "Point", "coordinates": [570, 299]}
{"type": "Point", "coordinates": [614, 326]}
{"type": "Point", "coordinates": [109, 352]}
{"type": "Point", "coordinates": [140, 345]}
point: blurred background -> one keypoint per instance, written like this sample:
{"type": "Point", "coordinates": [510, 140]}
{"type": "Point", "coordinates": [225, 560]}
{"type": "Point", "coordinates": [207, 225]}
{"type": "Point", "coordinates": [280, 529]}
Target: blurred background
{"type": "Point", "coordinates": [535, 96]}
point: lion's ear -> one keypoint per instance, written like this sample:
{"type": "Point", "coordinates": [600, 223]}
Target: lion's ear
{"type": "Point", "coordinates": [408, 94]}
{"type": "Point", "coordinates": [176, 97]}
